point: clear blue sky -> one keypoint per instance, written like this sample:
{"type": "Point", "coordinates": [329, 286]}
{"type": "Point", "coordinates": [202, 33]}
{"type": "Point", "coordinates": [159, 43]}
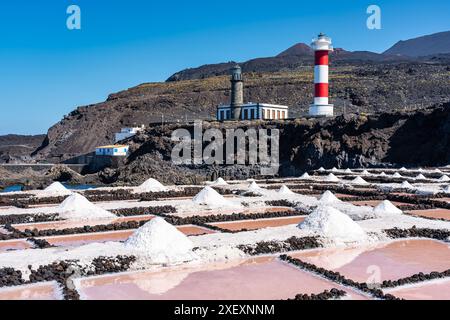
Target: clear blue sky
{"type": "Point", "coordinates": [46, 70]}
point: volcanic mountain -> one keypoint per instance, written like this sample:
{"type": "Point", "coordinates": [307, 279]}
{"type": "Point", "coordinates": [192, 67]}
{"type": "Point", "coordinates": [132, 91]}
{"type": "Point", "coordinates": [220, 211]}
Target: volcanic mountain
{"type": "Point", "coordinates": [433, 44]}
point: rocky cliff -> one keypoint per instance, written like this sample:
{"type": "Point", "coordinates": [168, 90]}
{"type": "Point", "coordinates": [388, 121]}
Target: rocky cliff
{"type": "Point", "coordinates": [410, 139]}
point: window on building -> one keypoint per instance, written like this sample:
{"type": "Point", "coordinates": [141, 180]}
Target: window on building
{"type": "Point", "coordinates": [252, 114]}
{"type": "Point", "coordinates": [278, 114]}
{"type": "Point", "coordinates": [273, 114]}
{"type": "Point", "coordinates": [245, 115]}
{"type": "Point", "coordinates": [228, 116]}
{"type": "Point", "coordinates": [283, 115]}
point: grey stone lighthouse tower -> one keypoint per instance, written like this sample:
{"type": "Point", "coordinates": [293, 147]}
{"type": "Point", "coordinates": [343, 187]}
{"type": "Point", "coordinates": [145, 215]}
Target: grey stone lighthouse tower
{"type": "Point", "coordinates": [237, 92]}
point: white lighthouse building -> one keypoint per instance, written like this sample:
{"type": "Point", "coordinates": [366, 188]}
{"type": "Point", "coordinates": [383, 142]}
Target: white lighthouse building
{"type": "Point", "coordinates": [321, 107]}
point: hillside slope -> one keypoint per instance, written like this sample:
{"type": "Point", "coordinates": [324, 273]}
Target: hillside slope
{"type": "Point", "coordinates": [423, 46]}
{"type": "Point", "coordinates": [365, 88]}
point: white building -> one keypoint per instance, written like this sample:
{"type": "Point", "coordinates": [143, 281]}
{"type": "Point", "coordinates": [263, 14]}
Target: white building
{"type": "Point", "coordinates": [253, 111]}
{"type": "Point", "coordinates": [128, 133]}
{"type": "Point", "coordinates": [112, 151]}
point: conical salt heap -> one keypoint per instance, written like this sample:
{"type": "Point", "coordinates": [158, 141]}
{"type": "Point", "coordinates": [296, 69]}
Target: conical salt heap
{"type": "Point", "coordinates": [406, 185]}
{"type": "Point", "coordinates": [151, 185]}
{"type": "Point", "coordinates": [305, 176]}
{"type": "Point", "coordinates": [253, 186]}
{"type": "Point", "coordinates": [77, 207]}
{"type": "Point", "coordinates": [162, 242]}
{"type": "Point", "coordinates": [397, 175]}
{"type": "Point", "coordinates": [210, 197]}
{"type": "Point", "coordinates": [334, 169]}
{"type": "Point", "coordinates": [285, 190]}
{"type": "Point", "coordinates": [420, 177]}
{"type": "Point", "coordinates": [444, 178]}
{"type": "Point", "coordinates": [359, 181]}
{"type": "Point", "coordinates": [365, 172]}
{"type": "Point", "coordinates": [386, 208]}
{"type": "Point", "coordinates": [219, 182]}
{"type": "Point", "coordinates": [383, 174]}
{"type": "Point", "coordinates": [321, 169]}
{"type": "Point", "coordinates": [331, 178]}
{"type": "Point", "coordinates": [333, 224]}
{"type": "Point", "coordinates": [328, 197]}
{"type": "Point", "coordinates": [56, 188]}
{"type": "Point", "coordinates": [403, 169]}
{"type": "Point", "coordinates": [348, 171]}
{"type": "Point", "coordinates": [447, 189]}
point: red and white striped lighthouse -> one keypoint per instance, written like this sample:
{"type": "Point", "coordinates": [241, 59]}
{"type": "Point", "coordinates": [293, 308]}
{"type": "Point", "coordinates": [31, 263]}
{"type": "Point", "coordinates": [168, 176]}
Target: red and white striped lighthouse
{"type": "Point", "coordinates": [321, 107]}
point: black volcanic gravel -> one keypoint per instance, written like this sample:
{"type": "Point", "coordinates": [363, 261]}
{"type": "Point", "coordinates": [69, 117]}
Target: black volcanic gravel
{"type": "Point", "coordinates": [291, 244]}
{"type": "Point", "coordinates": [27, 218]}
{"type": "Point", "coordinates": [10, 277]}
{"type": "Point", "coordinates": [418, 233]}
{"type": "Point", "coordinates": [126, 212]}
{"type": "Point", "coordinates": [326, 295]}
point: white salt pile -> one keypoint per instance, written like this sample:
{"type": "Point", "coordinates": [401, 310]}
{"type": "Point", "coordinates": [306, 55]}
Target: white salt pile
{"type": "Point", "coordinates": [253, 186]}
{"type": "Point", "coordinates": [56, 188]}
{"type": "Point", "coordinates": [383, 174]}
{"type": "Point", "coordinates": [403, 169]}
{"type": "Point", "coordinates": [161, 242]}
{"type": "Point", "coordinates": [328, 197]}
{"type": "Point", "coordinates": [437, 171]}
{"type": "Point", "coordinates": [365, 172]}
{"type": "Point", "coordinates": [420, 170]}
{"type": "Point", "coordinates": [406, 185]}
{"type": "Point", "coordinates": [285, 190]}
{"type": "Point", "coordinates": [210, 197]}
{"type": "Point", "coordinates": [397, 175]}
{"type": "Point", "coordinates": [219, 182]}
{"type": "Point", "coordinates": [333, 224]}
{"type": "Point", "coordinates": [331, 178]}
{"type": "Point", "coordinates": [386, 208]}
{"type": "Point", "coordinates": [151, 185]}
{"type": "Point", "coordinates": [444, 178]}
{"type": "Point", "coordinates": [334, 169]}
{"type": "Point", "coordinates": [77, 207]}
{"type": "Point", "coordinates": [305, 176]}
{"type": "Point", "coordinates": [420, 177]}
{"type": "Point", "coordinates": [321, 169]}
{"type": "Point", "coordinates": [348, 171]}
{"type": "Point", "coordinates": [447, 189]}
{"type": "Point", "coordinates": [359, 181]}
